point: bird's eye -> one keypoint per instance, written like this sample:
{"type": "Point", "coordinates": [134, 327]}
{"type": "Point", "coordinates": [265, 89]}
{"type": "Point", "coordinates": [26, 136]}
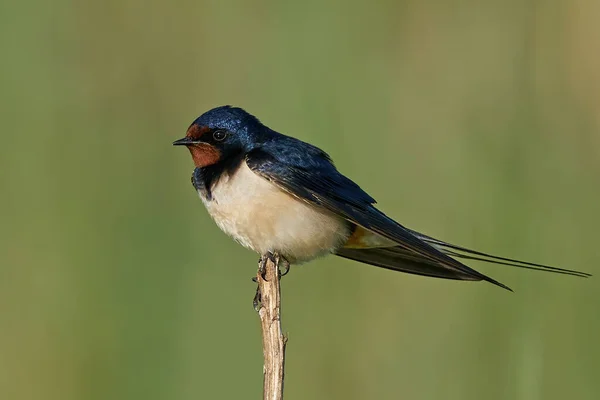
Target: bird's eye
{"type": "Point", "coordinates": [219, 135]}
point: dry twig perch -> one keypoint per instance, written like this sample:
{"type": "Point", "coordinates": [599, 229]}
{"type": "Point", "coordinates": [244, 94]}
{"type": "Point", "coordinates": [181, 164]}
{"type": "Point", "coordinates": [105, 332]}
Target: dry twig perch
{"type": "Point", "coordinates": [269, 296]}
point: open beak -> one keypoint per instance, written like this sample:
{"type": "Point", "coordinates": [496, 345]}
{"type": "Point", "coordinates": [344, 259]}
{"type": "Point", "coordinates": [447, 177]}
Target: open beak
{"type": "Point", "coordinates": [186, 141]}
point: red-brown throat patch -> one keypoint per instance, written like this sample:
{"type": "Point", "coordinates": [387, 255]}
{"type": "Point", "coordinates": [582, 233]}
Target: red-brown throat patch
{"type": "Point", "coordinates": [204, 154]}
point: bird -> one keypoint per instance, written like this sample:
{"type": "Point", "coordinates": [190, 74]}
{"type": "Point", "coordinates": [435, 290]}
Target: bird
{"type": "Point", "coordinates": [275, 194]}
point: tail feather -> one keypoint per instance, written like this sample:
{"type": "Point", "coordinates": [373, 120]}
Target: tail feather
{"type": "Point", "coordinates": [468, 254]}
{"type": "Point", "coordinates": [399, 259]}
{"type": "Point", "coordinates": [371, 248]}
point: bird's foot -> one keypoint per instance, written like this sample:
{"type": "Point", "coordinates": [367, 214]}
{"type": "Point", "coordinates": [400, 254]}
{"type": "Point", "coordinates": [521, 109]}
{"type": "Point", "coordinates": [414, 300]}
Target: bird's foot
{"type": "Point", "coordinates": [276, 259]}
{"type": "Point", "coordinates": [256, 302]}
{"type": "Point", "coordinates": [286, 267]}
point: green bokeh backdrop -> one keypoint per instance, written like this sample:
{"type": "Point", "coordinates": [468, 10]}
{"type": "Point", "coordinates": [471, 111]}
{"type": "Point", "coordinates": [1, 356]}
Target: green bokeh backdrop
{"type": "Point", "coordinates": [477, 122]}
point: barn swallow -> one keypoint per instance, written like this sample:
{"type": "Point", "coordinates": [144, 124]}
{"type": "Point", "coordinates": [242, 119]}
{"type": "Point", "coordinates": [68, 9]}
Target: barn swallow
{"type": "Point", "coordinates": [273, 193]}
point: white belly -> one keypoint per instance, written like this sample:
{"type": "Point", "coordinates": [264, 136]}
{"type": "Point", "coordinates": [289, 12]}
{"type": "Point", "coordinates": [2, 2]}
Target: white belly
{"type": "Point", "coordinates": [262, 217]}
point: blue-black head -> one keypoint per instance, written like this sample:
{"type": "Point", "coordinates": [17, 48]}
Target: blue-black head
{"type": "Point", "coordinates": [222, 134]}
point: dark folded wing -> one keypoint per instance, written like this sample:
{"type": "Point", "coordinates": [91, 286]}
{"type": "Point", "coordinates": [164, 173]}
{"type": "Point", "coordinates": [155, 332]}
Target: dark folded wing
{"type": "Point", "coordinates": [324, 186]}
{"type": "Point", "coordinates": [397, 258]}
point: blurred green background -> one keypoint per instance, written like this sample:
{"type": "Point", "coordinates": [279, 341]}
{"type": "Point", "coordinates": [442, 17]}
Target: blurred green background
{"type": "Point", "coordinates": [477, 122]}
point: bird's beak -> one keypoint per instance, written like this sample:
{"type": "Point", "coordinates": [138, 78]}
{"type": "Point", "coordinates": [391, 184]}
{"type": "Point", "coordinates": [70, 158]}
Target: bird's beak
{"type": "Point", "coordinates": [186, 141]}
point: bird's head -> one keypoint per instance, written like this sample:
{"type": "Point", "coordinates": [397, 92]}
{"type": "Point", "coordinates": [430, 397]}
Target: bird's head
{"type": "Point", "coordinates": [221, 134]}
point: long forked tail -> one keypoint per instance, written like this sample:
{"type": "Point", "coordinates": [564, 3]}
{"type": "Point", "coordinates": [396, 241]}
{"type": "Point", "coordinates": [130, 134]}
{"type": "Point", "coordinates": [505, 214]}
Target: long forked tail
{"type": "Point", "coordinates": [398, 258]}
{"type": "Point", "coordinates": [468, 254]}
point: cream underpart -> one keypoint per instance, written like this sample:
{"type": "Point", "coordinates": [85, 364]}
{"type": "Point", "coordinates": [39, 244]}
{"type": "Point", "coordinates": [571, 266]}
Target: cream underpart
{"type": "Point", "coordinates": [262, 217]}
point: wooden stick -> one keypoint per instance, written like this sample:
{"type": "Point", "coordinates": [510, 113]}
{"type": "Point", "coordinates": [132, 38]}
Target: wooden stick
{"type": "Point", "coordinates": [270, 320]}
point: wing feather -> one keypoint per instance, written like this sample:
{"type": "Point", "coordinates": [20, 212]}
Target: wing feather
{"type": "Point", "coordinates": [315, 180]}
{"type": "Point", "coordinates": [326, 187]}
